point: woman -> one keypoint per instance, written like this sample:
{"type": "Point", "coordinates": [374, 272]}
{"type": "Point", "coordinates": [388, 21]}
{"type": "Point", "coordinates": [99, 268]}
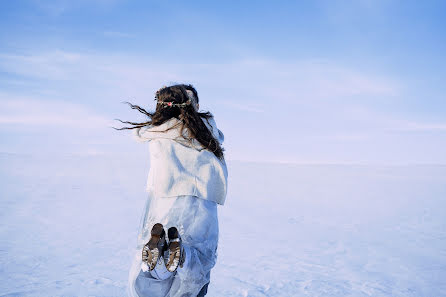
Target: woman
{"type": "Point", "coordinates": [186, 182]}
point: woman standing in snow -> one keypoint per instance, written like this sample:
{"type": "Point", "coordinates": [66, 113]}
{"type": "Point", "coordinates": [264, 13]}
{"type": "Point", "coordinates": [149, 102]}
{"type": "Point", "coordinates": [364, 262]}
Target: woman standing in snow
{"type": "Point", "coordinates": [187, 179]}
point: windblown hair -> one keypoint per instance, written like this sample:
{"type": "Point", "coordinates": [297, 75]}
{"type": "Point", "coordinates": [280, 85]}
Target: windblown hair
{"type": "Point", "coordinates": [188, 116]}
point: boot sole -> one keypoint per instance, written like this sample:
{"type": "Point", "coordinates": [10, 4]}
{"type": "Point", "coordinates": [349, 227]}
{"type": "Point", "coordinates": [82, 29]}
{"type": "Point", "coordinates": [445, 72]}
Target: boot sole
{"type": "Point", "coordinates": [175, 251]}
{"type": "Point", "coordinates": [151, 251]}
{"type": "Point", "coordinates": [174, 260]}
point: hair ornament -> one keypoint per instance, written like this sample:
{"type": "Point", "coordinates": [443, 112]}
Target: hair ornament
{"type": "Point", "coordinates": [171, 104]}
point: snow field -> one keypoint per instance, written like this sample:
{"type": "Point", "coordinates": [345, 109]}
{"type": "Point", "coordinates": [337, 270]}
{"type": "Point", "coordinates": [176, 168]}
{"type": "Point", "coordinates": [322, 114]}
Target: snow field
{"type": "Point", "coordinates": [69, 225]}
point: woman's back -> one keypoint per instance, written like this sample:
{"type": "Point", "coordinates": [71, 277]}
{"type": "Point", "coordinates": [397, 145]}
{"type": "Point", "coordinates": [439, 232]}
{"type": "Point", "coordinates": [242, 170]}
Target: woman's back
{"type": "Point", "coordinates": [182, 167]}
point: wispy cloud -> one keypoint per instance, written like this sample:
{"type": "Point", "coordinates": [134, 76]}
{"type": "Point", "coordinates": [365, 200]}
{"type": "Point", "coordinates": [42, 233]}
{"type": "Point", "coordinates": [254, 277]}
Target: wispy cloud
{"type": "Point", "coordinates": [55, 65]}
{"type": "Point", "coordinates": [244, 106]}
{"type": "Point", "coordinates": [34, 112]}
{"type": "Point", "coordinates": [315, 78]}
{"type": "Point", "coordinates": [58, 8]}
{"type": "Point", "coordinates": [340, 136]}
{"type": "Point", "coordinates": [420, 126]}
{"type": "Point", "coordinates": [118, 34]}
{"type": "Point", "coordinates": [319, 106]}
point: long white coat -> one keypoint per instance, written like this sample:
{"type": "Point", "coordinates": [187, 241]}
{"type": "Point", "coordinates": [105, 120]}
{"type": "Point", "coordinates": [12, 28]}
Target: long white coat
{"type": "Point", "coordinates": [185, 184]}
{"type": "Point", "coordinates": [183, 167]}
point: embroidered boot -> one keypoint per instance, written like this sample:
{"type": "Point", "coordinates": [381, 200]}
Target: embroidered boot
{"type": "Point", "coordinates": [175, 252]}
{"type": "Point", "coordinates": [154, 249]}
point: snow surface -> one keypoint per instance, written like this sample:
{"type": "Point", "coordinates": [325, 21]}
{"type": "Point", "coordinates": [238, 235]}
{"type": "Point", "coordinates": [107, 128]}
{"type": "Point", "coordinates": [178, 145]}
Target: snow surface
{"type": "Point", "coordinates": [69, 224]}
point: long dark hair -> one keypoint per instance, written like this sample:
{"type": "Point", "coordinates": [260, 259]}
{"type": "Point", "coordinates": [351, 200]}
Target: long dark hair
{"type": "Point", "coordinates": [189, 117]}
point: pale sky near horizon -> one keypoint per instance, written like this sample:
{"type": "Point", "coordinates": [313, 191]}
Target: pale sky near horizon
{"type": "Point", "coordinates": [291, 81]}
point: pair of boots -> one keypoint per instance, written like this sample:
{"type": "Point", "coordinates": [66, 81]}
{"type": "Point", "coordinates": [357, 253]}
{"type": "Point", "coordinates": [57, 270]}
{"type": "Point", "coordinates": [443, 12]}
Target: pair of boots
{"type": "Point", "coordinates": [172, 252]}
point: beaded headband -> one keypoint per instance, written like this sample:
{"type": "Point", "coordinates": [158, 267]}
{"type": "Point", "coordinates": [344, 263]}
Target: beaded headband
{"type": "Point", "coordinates": [171, 104]}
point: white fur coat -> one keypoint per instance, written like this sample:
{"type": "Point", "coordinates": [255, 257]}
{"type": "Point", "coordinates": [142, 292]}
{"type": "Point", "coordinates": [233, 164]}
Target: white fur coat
{"type": "Point", "coordinates": [181, 167]}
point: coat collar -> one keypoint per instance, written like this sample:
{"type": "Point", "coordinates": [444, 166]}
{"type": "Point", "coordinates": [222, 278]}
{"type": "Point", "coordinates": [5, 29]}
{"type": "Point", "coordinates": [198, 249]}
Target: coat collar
{"type": "Point", "coordinates": [171, 129]}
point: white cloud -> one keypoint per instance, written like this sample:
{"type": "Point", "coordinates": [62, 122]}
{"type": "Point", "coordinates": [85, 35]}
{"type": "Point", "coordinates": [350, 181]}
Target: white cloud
{"type": "Point", "coordinates": [250, 107]}
{"type": "Point", "coordinates": [420, 126]}
{"type": "Point", "coordinates": [54, 65]}
{"type": "Point", "coordinates": [319, 110]}
{"type": "Point", "coordinates": [58, 8]}
{"type": "Point", "coordinates": [348, 136]}
{"type": "Point", "coordinates": [314, 79]}
{"type": "Point", "coordinates": [36, 112]}
{"type": "Point", "coordinates": [117, 34]}
{"type": "Point", "coordinates": [318, 79]}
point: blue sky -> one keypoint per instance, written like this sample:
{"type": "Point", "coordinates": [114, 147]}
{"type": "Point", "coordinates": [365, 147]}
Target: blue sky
{"type": "Point", "coordinates": [289, 81]}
